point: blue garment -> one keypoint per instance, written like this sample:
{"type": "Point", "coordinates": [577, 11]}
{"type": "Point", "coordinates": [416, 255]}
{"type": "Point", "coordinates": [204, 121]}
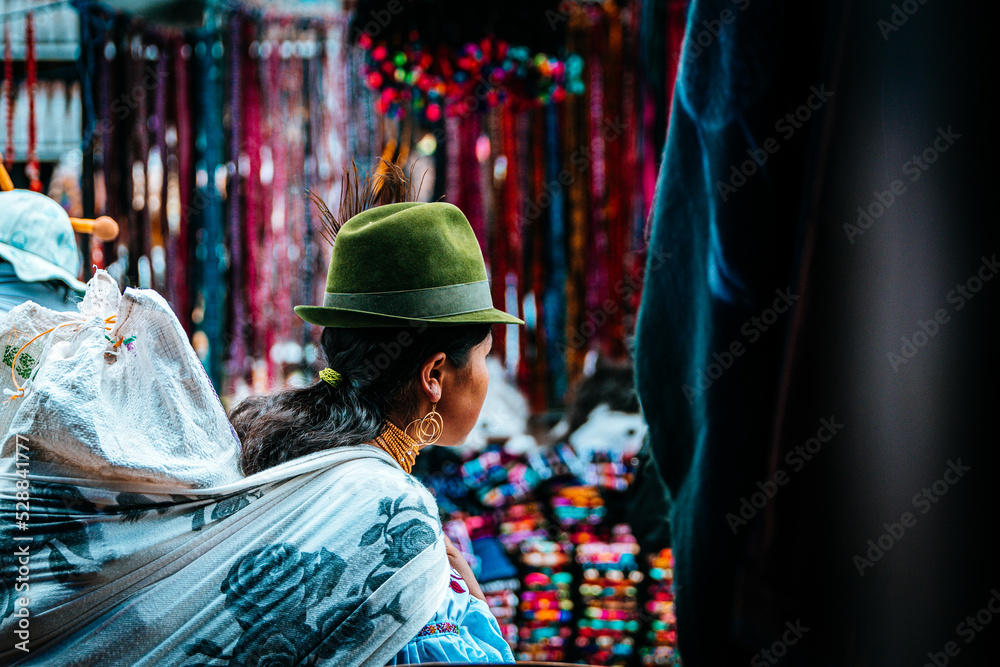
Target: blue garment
{"type": "Point", "coordinates": [51, 294]}
{"type": "Point", "coordinates": [462, 630]}
{"type": "Point", "coordinates": [726, 244]}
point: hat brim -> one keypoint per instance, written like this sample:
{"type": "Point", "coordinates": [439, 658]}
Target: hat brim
{"type": "Point", "coordinates": [31, 268]}
{"type": "Point", "coordinates": [354, 319]}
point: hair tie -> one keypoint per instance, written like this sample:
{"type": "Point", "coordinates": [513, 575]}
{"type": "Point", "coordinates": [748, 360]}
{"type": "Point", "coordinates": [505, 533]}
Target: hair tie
{"type": "Point", "coordinates": [332, 377]}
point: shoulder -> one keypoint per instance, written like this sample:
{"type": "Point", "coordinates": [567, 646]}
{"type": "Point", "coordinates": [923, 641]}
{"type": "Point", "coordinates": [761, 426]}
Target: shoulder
{"type": "Point", "coordinates": [374, 478]}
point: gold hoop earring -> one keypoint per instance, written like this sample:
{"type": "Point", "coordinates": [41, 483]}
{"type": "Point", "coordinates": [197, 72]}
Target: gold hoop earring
{"type": "Point", "coordinates": [429, 427]}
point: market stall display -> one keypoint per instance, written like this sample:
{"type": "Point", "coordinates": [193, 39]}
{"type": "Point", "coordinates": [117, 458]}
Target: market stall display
{"type": "Point", "coordinates": [559, 564]}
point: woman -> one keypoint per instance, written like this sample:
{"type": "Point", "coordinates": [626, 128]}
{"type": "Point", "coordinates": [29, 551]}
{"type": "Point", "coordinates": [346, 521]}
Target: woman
{"type": "Point", "coordinates": [293, 535]}
{"type": "Point", "coordinates": [408, 319]}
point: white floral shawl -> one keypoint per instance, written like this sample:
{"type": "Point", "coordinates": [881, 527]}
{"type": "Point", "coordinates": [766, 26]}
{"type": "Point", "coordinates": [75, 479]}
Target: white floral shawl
{"type": "Point", "coordinates": [336, 558]}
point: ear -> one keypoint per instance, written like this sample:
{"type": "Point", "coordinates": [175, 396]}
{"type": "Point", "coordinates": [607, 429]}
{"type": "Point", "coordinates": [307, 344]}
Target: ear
{"type": "Point", "coordinates": [432, 375]}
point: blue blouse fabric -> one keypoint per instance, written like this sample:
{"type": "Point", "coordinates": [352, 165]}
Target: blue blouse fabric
{"type": "Point", "coordinates": [462, 630]}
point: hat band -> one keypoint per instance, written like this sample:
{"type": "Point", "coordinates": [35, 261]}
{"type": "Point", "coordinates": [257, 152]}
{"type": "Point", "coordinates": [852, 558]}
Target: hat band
{"type": "Point", "coordinates": [429, 302]}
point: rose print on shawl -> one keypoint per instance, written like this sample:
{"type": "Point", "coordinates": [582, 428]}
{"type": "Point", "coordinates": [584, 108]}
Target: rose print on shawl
{"type": "Point", "coordinates": [288, 603]}
{"type": "Point", "coordinates": [133, 507]}
{"type": "Point", "coordinates": [225, 507]}
{"type": "Point", "coordinates": [59, 516]}
{"type": "Point", "coordinates": [270, 592]}
{"type": "Point", "coordinates": [347, 626]}
{"type": "Point", "coordinates": [403, 539]}
{"type": "Point", "coordinates": [61, 520]}
{"type": "Point", "coordinates": [67, 529]}
{"type": "Point", "coordinates": [280, 576]}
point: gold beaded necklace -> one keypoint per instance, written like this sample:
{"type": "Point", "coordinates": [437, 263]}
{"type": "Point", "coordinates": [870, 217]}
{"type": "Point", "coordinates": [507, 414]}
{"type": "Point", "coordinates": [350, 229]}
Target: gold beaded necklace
{"type": "Point", "coordinates": [398, 444]}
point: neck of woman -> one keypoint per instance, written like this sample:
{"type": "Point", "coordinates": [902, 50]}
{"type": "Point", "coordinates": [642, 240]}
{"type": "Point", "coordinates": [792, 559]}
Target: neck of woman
{"type": "Point", "coordinates": [398, 444]}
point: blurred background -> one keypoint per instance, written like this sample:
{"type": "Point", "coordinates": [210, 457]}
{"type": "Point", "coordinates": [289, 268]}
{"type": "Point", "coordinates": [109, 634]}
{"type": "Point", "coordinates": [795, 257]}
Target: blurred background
{"type": "Point", "coordinates": [201, 127]}
{"type": "Point", "coordinates": [656, 186]}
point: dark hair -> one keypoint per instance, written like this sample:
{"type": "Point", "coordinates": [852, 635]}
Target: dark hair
{"type": "Point", "coordinates": [379, 367]}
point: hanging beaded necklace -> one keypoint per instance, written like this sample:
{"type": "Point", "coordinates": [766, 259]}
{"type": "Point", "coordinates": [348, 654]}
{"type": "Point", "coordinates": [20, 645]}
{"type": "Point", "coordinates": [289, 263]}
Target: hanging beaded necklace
{"type": "Point", "coordinates": [10, 94]}
{"type": "Point", "coordinates": [398, 444]}
{"type": "Point", "coordinates": [33, 169]}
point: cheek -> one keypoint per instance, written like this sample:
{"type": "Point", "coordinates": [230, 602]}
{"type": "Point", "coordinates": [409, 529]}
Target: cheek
{"type": "Point", "coordinates": [475, 394]}
{"type": "Point", "coordinates": [482, 381]}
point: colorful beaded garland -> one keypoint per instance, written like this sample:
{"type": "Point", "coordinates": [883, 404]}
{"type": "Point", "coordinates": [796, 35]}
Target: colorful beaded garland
{"type": "Point", "coordinates": [454, 82]}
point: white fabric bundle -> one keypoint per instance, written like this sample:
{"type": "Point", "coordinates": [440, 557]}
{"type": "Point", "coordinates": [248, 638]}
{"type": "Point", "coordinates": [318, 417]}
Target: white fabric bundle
{"type": "Point", "coordinates": [144, 410]}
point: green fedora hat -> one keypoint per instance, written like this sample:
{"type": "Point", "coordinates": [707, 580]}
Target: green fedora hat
{"type": "Point", "coordinates": [406, 264]}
